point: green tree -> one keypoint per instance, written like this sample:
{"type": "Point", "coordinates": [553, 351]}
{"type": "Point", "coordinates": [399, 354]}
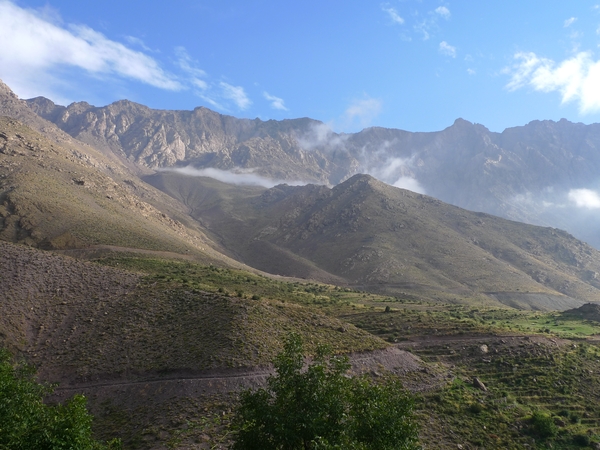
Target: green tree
{"type": "Point", "coordinates": [320, 407]}
{"type": "Point", "coordinates": [27, 423]}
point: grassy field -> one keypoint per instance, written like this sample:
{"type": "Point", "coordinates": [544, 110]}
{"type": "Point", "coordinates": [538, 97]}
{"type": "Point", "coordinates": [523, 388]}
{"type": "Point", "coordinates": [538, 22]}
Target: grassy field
{"type": "Point", "coordinates": [540, 369]}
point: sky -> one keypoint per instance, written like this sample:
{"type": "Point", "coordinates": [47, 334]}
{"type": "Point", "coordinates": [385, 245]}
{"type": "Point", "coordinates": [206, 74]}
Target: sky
{"type": "Point", "coordinates": [415, 65]}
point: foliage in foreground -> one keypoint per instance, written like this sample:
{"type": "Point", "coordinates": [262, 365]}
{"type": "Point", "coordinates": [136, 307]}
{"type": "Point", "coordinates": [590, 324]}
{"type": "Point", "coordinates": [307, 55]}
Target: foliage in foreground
{"type": "Point", "coordinates": [29, 424]}
{"type": "Point", "coordinates": [321, 408]}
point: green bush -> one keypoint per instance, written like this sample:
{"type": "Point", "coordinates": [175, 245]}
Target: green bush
{"type": "Point", "coordinates": [27, 423]}
{"type": "Point", "coordinates": [542, 425]}
{"type": "Point", "coordinates": [581, 440]}
{"type": "Point", "coordinates": [319, 407]}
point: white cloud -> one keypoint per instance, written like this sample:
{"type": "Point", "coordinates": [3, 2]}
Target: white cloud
{"type": "Point", "coordinates": [570, 22]}
{"type": "Point", "coordinates": [321, 136]}
{"type": "Point", "coordinates": [187, 64]}
{"type": "Point", "coordinates": [585, 198]}
{"type": "Point", "coordinates": [362, 112]}
{"type": "Point", "coordinates": [409, 183]}
{"type": "Point", "coordinates": [195, 74]}
{"type": "Point", "coordinates": [276, 102]}
{"type": "Point", "coordinates": [137, 41]}
{"type": "Point", "coordinates": [392, 170]}
{"type": "Point", "coordinates": [219, 95]}
{"type": "Point", "coordinates": [443, 11]}
{"type": "Point", "coordinates": [575, 78]}
{"type": "Point", "coordinates": [32, 46]}
{"type": "Point", "coordinates": [200, 84]}
{"type": "Point", "coordinates": [393, 14]}
{"type": "Point", "coordinates": [235, 94]}
{"type": "Point", "coordinates": [471, 72]}
{"type": "Point", "coordinates": [447, 49]}
{"type": "Point", "coordinates": [237, 176]}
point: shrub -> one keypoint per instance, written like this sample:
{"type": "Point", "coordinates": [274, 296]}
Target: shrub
{"type": "Point", "coordinates": [319, 407]}
{"type": "Point", "coordinates": [543, 426]}
{"type": "Point", "coordinates": [581, 440]}
{"type": "Point", "coordinates": [27, 423]}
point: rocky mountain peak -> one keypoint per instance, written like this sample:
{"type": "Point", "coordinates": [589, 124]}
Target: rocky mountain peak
{"type": "Point", "coordinates": [5, 91]}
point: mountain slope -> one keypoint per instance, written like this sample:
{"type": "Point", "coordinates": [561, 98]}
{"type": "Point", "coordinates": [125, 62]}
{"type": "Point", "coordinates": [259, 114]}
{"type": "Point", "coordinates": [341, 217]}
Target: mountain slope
{"type": "Point", "coordinates": [56, 198]}
{"type": "Point", "coordinates": [524, 173]}
{"type": "Point", "coordinates": [156, 138]}
{"type": "Point", "coordinates": [370, 234]}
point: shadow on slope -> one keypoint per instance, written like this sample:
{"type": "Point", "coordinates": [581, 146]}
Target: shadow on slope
{"type": "Point", "coordinates": [381, 238]}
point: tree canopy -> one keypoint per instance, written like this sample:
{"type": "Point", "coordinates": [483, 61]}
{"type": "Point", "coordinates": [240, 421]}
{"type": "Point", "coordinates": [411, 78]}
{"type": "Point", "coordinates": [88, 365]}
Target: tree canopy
{"type": "Point", "coordinates": [321, 407]}
{"type": "Point", "coordinates": [27, 423]}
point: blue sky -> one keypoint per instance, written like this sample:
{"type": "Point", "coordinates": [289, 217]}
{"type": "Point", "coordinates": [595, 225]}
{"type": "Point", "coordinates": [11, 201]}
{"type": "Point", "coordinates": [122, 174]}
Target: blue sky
{"type": "Point", "coordinates": [408, 64]}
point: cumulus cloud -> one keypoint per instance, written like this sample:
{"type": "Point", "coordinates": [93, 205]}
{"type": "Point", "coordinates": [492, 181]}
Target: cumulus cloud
{"type": "Point", "coordinates": [238, 176]}
{"type": "Point", "coordinates": [471, 72]}
{"type": "Point", "coordinates": [276, 102]}
{"type": "Point", "coordinates": [576, 78]}
{"type": "Point", "coordinates": [585, 198]}
{"type": "Point", "coordinates": [235, 94]}
{"type": "Point", "coordinates": [443, 11]}
{"type": "Point", "coordinates": [447, 49]}
{"type": "Point", "coordinates": [393, 14]}
{"type": "Point", "coordinates": [570, 22]}
{"type": "Point", "coordinates": [33, 46]}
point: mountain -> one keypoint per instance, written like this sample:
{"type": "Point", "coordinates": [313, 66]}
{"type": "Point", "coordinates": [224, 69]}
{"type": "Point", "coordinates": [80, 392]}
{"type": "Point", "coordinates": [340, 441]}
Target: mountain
{"type": "Point", "coordinates": [72, 316]}
{"type": "Point", "coordinates": [534, 173]}
{"type": "Point", "coordinates": [154, 138]}
{"type": "Point", "coordinates": [367, 234]}
{"type": "Point", "coordinates": [60, 194]}
{"type": "Point", "coordinates": [170, 319]}
{"type": "Point", "coordinates": [55, 197]}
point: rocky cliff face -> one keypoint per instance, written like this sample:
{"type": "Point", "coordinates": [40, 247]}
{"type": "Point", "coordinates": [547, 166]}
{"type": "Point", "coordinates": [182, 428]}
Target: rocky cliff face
{"type": "Point", "coordinates": [524, 173]}
{"type": "Point", "coordinates": [201, 137]}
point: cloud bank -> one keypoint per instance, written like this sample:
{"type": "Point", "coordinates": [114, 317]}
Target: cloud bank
{"type": "Point", "coordinates": [37, 50]}
{"type": "Point", "coordinates": [34, 46]}
{"type": "Point", "coordinates": [241, 177]}
{"type": "Point", "coordinates": [378, 162]}
{"type": "Point", "coordinates": [584, 198]}
{"type": "Point", "coordinates": [575, 78]}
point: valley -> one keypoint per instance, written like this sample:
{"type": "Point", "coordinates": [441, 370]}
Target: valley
{"type": "Point", "coordinates": [160, 295]}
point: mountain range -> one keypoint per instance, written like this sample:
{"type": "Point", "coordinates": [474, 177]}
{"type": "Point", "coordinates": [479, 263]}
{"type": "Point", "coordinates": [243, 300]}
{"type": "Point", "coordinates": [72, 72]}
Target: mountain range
{"type": "Point", "coordinates": [543, 173]}
{"type": "Point", "coordinates": [113, 183]}
{"type": "Point", "coordinates": [156, 260]}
